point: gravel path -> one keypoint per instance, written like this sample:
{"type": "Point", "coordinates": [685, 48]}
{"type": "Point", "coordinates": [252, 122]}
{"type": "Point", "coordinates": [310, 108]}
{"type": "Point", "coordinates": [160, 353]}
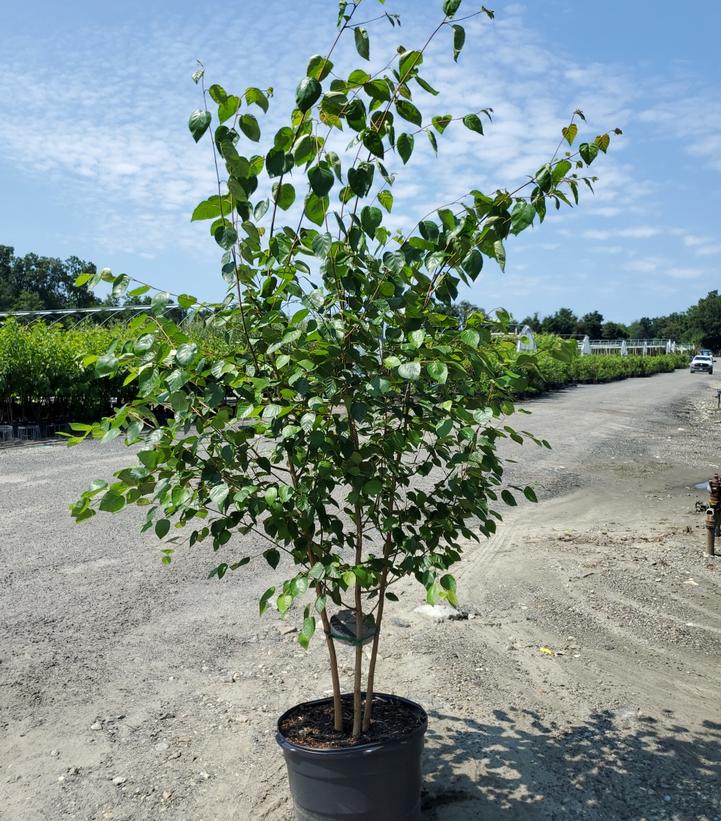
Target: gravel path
{"type": "Point", "coordinates": [129, 690]}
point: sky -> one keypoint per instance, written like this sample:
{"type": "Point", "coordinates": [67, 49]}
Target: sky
{"type": "Point", "coordinates": [96, 159]}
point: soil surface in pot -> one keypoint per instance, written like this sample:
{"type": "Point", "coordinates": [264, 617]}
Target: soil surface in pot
{"type": "Point", "coordinates": [311, 725]}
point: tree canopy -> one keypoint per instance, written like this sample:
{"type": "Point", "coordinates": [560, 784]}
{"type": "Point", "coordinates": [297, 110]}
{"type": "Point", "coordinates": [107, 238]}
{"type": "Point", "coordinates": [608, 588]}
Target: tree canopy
{"type": "Point", "coordinates": [34, 283]}
{"type": "Point", "coordinates": [700, 324]}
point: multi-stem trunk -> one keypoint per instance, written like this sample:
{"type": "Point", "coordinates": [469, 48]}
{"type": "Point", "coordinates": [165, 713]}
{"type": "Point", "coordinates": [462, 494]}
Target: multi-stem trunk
{"type": "Point", "coordinates": [368, 711]}
{"type": "Point", "coordinates": [358, 665]}
{"type": "Point", "coordinates": [337, 701]}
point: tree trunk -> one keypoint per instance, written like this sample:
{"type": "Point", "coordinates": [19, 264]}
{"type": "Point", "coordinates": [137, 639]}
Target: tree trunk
{"type": "Point", "coordinates": [337, 702]}
{"type": "Point", "coordinates": [358, 667]}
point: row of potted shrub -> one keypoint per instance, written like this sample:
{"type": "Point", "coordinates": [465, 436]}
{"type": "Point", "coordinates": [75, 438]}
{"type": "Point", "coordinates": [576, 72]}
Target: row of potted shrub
{"type": "Point", "coordinates": [42, 364]}
{"type": "Point", "coordinates": [548, 372]}
{"type": "Point", "coordinates": [41, 372]}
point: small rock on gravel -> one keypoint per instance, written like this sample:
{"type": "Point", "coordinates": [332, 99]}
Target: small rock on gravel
{"type": "Point", "coordinates": [436, 612]}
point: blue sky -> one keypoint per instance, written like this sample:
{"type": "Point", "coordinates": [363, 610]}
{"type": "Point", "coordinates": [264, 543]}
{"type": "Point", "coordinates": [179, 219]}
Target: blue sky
{"type": "Point", "coordinates": [96, 159]}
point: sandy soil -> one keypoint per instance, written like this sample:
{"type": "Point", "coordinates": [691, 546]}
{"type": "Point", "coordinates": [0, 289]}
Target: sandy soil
{"type": "Point", "coordinates": [129, 690]}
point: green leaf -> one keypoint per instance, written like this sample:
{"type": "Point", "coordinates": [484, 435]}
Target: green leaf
{"type": "Point", "coordinates": [459, 39]}
{"type": "Point", "coordinates": [355, 114]}
{"type": "Point", "coordinates": [470, 337]}
{"type": "Point", "coordinates": [142, 289]}
{"type": "Point", "coordinates": [588, 152]}
{"type": "Point", "coordinates": [120, 285]}
{"type": "Point", "coordinates": [410, 61]}
{"type": "Point", "coordinates": [404, 144]}
{"type": "Point", "coordinates": [450, 7]}
{"type": "Point", "coordinates": [410, 370]}
{"type": "Point", "coordinates": [112, 502]}
{"type": "Point", "coordinates": [321, 179]}
{"type": "Point", "coordinates": [217, 93]}
{"type": "Point", "coordinates": [473, 121]}
{"type": "Point", "coordinates": [212, 208]}
{"type": "Point", "coordinates": [544, 177]}
{"type": "Point", "coordinates": [319, 67]}
{"type": "Point", "coordinates": [426, 86]}
{"type": "Point", "coordinates": [83, 279]}
{"type": "Point", "coordinates": [409, 112]}
{"type": "Point", "coordinates": [159, 302]}
{"type": "Point", "coordinates": [186, 353]}
{"type": "Point", "coordinates": [272, 556]}
{"type": "Point", "coordinates": [228, 108]}
{"type": "Point", "coordinates": [374, 143]}
{"type": "Point", "coordinates": [500, 253]}
{"type": "Point", "coordinates": [394, 261]}
{"type": "Point", "coordinates": [473, 263]}
{"type": "Point", "coordinates": [530, 494]}
{"type": "Point", "coordinates": [560, 169]}
{"type": "Point", "coordinates": [448, 583]}
{"type": "Point", "coordinates": [283, 603]}
{"type": "Point", "coordinates": [260, 210]}
{"type": "Point", "coordinates": [438, 371]}
{"type": "Point", "coordinates": [249, 126]}
{"type": "Point", "coordinates": [306, 632]}
{"type": "Point", "coordinates": [218, 494]}
{"type": "Point", "coordinates": [360, 179]}
{"type": "Point", "coordinates": [162, 527]}
{"type": "Point", "coordinates": [305, 149]}
{"type": "Point", "coordinates": [316, 208]}
{"type": "Point", "coordinates": [265, 598]}
{"type": "Point", "coordinates": [371, 218]}
{"type": "Point", "coordinates": [226, 236]}
{"type": "Point", "coordinates": [198, 123]}
{"type": "Point", "coordinates": [359, 411]}
{"type": "Point", "coordinates": [385, 198]}
{"type": "Point", "coordinates": [378, 90]}
{"type": "Point", "coordinates": [256, 96]}
{"type": "Point", "coordinates": [417, 337]}
{"type": "Point", "coordinates": [321, 244]}
{"type": "Point", "coordinates": [362, 43]}
{"type": "Point", "coordinates": [602, 141]}
{"type": "Point", "coordinates": [441, 122]}
{"type": "Point", "coordinates": [508, 498]}
{"type": "Point", "coordinates": [284, 195]}
{"type": "Point", "coordinates": [522, 216]}
{"type": "Point", "coordinates": [307, 93]}
{"type": "Point", "coordinates": [373, 486]}
{"type": "Point", "coordinates": [569, 133]}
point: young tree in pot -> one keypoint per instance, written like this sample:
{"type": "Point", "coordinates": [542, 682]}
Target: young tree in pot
{"type": "Point", "coordinates": [332, 407]}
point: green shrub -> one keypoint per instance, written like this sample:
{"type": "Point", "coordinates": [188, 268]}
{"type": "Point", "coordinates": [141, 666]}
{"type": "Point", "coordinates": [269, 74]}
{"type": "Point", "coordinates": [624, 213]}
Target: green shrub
{"type": "Point", "coordinates": [42, 374]}
{"type": "Point", "coordinates": [548, 372]}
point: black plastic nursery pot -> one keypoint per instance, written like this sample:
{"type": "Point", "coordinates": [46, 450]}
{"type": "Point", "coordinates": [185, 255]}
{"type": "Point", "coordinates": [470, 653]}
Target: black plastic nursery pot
{"type": "Point", "coordinates": [377, 781]}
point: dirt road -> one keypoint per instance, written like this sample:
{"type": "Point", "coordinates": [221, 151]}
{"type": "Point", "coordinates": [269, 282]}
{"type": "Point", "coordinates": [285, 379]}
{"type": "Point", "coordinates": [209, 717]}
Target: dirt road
{"type": "Point", "coordinates": [586, 683]}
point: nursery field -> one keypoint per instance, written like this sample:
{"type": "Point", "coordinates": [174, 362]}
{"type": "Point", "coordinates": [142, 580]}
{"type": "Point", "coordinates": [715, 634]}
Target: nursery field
{"type": "Point", "coordinates": [584, 682]}
{"type": "Point", "coordinates": [47, 376]}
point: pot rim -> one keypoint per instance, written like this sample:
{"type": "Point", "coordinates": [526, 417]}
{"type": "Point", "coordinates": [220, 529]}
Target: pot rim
{"type": "Point", "coordinates": [368, 747]}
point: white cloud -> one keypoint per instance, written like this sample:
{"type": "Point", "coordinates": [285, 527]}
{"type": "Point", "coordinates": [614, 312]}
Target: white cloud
{"type": "Point", "coordinates": [119, 152]}
{"type": "Point", "coordinates": [639, 232]}
{"type": "Point", "coordinates": [708, 250]}
{"type": "Point", "coordinates": [685, 273]}
{"type": "Point", "coordinates": [644, 266]}
{"type": "Point", "coordinates": [691, 240]}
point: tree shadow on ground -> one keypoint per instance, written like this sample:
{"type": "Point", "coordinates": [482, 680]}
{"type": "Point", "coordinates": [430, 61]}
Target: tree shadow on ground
{"type": "Point", "coordinates": [615, 765]}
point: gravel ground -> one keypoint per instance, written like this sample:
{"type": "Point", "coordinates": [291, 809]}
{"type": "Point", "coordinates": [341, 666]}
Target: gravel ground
{"type": "Point", "coordinates": [129, 690]}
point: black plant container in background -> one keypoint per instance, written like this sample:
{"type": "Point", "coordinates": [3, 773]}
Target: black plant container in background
{"type": "Point", "coordinates": [378, 781]}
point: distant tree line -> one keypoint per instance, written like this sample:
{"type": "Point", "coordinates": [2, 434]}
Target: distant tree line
{"type": "Point", "coordinates": [33, 283]}
{"type": "Point", "coordinates": [700, 324]}
{"type": "Point", "coordinates": [36, 283]}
